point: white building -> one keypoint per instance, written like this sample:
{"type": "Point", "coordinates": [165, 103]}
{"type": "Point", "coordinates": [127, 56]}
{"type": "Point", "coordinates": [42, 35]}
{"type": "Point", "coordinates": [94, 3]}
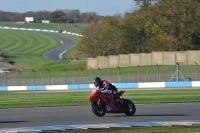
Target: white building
{"type": "Point", "coordinates": [45, 21]}
{"type": "Point", "coordinates": [29, 19]}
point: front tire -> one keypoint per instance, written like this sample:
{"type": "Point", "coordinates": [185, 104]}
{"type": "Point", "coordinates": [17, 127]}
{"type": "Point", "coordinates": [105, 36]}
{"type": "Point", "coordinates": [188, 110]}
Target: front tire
{"type": "Point", "coordinates": [98, 109]}
{"type": "Point", "coordinates": [129, 107]}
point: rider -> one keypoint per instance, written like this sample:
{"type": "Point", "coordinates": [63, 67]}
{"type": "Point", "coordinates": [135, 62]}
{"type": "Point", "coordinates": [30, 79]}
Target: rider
{"type": "Point", "coordinates": [107, 87]}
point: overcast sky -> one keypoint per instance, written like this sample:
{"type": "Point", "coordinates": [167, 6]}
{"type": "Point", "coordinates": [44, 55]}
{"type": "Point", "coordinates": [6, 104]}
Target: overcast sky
{"type": "Point", "coordinates": [102, 7]}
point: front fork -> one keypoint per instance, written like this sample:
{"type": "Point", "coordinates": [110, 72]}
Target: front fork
{"type": "Point", "coordinates": [100, 104]}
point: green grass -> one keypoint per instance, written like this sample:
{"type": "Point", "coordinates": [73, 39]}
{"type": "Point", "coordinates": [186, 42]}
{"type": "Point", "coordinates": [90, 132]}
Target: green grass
{"type": "Point", "coordinates": [50, 26]}
{"type": "Point", "coordinates": [26, 48]}
{"type": "Point", "coordinates": [172, 129]}
{"type": "Point", "coordinates": [26, 43]}
{"type": "Point", "coordinates": [20, 43]}
{"type": "Point", "coordinates": [24, 99]}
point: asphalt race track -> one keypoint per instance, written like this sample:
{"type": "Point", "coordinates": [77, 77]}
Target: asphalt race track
{"type": "Point", "coordinates": [67, 43]}
{"type": "Point", "coordinates": [51, 116]}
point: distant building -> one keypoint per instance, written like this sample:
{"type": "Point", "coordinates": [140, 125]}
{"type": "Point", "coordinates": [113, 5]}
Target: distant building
{"type": "Point", "coordinates": [45, 21]}
{"type": "Point", "coordinates": [29, 19]}
{"type": "Point", "coordinates": [38, 21]}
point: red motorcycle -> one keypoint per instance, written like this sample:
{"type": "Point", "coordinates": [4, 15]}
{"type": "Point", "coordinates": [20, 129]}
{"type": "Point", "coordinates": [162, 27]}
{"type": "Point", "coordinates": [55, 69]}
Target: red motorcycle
{"type": "Point", "coordinates": [103, 103]}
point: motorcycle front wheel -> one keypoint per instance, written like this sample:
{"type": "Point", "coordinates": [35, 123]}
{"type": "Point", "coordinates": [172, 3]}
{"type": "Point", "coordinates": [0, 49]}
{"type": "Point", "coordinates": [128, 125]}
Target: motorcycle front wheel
{"type": "Point", "coordinates": [129, 107]}
{"type": "Point", "coordinates": [98, 109]}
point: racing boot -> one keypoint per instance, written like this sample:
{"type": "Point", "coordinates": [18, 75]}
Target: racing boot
{"type": "Point", "coordinates": [116, 104]}
{"type": "Point", "coordinates": [121, 102]}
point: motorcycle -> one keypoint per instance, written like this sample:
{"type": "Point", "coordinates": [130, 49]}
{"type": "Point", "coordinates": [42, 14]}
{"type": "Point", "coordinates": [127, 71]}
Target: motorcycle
{"type": "Point", "coordinates": [103, 103]}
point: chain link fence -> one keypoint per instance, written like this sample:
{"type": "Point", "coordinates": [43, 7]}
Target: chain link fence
{"type": "Point", "coordinates": [115, 75]}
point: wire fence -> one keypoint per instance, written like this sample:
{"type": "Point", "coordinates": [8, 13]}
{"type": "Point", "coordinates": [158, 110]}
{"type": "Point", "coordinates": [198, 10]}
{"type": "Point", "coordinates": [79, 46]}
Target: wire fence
{"type": "Point", "coordinates": [115, 75]}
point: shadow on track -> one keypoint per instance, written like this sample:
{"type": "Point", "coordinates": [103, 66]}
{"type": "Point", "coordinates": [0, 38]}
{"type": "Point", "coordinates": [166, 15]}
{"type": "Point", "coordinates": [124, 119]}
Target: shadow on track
{"type": "Point", "coordinates": [148, 115]}
{"type": "Point", "coordinates": [11, 121]}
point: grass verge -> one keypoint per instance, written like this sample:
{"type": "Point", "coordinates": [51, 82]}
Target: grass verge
{"type": "Point", "coordinates": [173, 129]}
{"type": "Point", "coordinates": [51, 26]}
{"type": "Point", "coordinates": [27, 99]}
{"type": "Point", "coordinates": [25, 48]}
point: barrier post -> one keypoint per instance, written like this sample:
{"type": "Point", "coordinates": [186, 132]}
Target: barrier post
{"type": "Point", "coordinates": [19, 78]}
{"type": "Point", "coordinates": [33, 77]}
{"type": "Point", "coordinates": [48, 76]}
{"type": "Point", "coordinates": [177, 69]}
{"type": "Point", "coordinates": [138, 73]}
{"type": "Point", "coordinates": [99, 72]}
{"type": "Point", "coordinates": [82, 75]}
{"type": "Point", "coordinates": [65, 75]}
{"type": "Point", "coordinates": [158, 73]}
{"type": "Point", "coordinates": [196, 71]}
{"type": "Point", "coordinates": [6, 77]}
{"type": "Point", "coordinates": [118, 73]}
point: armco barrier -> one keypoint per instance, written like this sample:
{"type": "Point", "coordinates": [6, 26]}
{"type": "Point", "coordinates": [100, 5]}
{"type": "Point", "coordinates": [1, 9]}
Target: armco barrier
{"type": "Point", "coordinates": [41, 30]}
{"type": "Point", "coordinates": [150, 85]}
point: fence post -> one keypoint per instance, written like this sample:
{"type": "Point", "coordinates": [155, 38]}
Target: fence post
{"type": "Point", "coordinates": [82, 75]}
{"type": "Point", "coordinates": [6, 77]}
{"type": "Point", "coordinates": [33, 77]}
{"type": "Point", "coordinates": [138, 73]}
{"type": "Point", "coordinates": [132, 78]}
{"type": "Point", "coordinates": [65, 75]}
{"type": "Point", "coordinates": [177, 69]}
{"type": "Point", "coordinates": [147, 75]}
{"type": "Point", "coordinates": [99, 72]}
{"type": "Point", "coordinates": [196, 71]}
{"type": "Point", "coordinates": [118, 73]}
{"type": "Point", "coordinates": [166, 73]}
{"type": "Point", "coordinates": [48, 76]}
{"type": "Point", "coordinates": [19, 78]}
{"type": "Point", "coordinates": [158, 72]}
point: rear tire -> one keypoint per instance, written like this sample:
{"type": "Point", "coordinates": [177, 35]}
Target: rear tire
{"type": "Point", "coordinates": [129, 107]}
{"type": "Point", "coordinates": [98, 109]}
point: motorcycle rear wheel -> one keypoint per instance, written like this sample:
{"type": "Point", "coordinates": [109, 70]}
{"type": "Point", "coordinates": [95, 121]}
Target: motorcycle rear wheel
{"type": "Point", "coordinates": [98, 109]}
{"type": "Point", "coordinates": [129, 107]}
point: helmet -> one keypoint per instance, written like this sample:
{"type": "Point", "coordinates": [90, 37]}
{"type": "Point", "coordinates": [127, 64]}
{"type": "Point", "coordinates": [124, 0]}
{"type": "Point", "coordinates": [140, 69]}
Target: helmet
{"type": "Point", "coordinates": [97, 81]}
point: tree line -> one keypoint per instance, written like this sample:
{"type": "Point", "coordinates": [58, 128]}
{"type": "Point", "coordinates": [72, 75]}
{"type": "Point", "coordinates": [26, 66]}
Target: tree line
{"type": "Point", "coordinates": [57, 16]}
{"type": "Point", "coordinates": [166, 25]}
